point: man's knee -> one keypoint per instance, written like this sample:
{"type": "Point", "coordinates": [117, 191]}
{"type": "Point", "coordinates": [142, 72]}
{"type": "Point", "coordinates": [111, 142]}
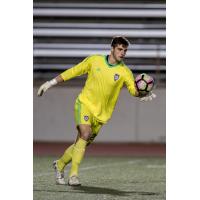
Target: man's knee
{"type": "Point", "coordinates": [85, 136]}
{"type": "Point", "coordinates": [85, 132]}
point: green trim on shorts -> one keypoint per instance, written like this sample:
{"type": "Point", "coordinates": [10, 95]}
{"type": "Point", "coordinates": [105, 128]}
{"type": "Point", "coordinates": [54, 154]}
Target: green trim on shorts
{"type": "Point", "coordinates": [79, 112]}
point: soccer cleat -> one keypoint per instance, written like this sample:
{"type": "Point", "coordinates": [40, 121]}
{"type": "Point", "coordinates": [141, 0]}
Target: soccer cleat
{"type": "Point", "coordinates": [58, 174]}
{"type": "Point", "coordinates": [74, 181]}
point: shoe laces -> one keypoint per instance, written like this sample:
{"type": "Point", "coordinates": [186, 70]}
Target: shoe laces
{"type": "Point", "coordinates": [75, 178]}
{"type": "Point", "coordinates": [60, 174]}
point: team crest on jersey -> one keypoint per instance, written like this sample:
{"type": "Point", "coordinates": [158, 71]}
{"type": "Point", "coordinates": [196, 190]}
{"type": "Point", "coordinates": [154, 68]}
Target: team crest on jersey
{"type": "Point", "coordinates": [116, 77]}
{"type": "Point", "coordinates": [86, 118]}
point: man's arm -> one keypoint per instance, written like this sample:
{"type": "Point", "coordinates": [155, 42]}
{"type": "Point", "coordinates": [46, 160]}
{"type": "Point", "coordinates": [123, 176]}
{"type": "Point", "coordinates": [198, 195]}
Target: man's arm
{"type": "Point", "coordinates": [79, 69]}
{"type": "Point", "coordinates": [132, 88]}
{"type": "Point", "coordinates": [44, 87]}
{"type": "Point", "coordinates": [130, 83]}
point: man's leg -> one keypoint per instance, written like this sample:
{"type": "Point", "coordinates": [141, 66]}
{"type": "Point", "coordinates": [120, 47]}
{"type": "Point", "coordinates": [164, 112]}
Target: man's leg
{"type": "Point", "coordinates": [66, 158]}
{"type": "Point", "coordinates": [60, 164]}
{"type": "Point", "coordinates": [78, 152]}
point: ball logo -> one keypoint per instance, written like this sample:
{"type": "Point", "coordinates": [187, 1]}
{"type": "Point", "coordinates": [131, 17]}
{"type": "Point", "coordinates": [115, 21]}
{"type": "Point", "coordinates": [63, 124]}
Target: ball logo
{"type": "Point", "coordinates": [86, 118]}
{"type": "Point", "coordinates": [116, 77]}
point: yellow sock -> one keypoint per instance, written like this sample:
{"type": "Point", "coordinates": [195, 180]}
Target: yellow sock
{"type": "Point", "coordinates": [77, 156]}
{"type": "Point", "coordinates": [66, 158]}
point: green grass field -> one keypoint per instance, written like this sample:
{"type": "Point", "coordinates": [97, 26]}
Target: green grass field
{"type": "Point", "coordinates": [102, 178]}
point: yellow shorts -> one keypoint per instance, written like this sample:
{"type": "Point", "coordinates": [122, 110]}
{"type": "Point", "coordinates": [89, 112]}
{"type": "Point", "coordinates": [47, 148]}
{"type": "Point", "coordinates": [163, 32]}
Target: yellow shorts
{"type": "Point", "coordinates": [84, 116]}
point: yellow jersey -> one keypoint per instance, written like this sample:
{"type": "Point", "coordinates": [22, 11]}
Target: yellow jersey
{"type": "Point", "coordinates": [103, 84]}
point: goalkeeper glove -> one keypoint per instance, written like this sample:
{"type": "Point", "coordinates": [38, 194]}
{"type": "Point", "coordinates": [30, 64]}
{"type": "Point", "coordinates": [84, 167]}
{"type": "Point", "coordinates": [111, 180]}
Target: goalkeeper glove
{"type": "Point", "coordinates": [44, 87]}
{"type": "Point", "coordinates": [149, 97]}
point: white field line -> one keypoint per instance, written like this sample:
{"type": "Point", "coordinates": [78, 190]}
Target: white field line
{"type": "Point", "coordinates": [92, 167]}
{"type": "Point", "coordinates": [156, 166]}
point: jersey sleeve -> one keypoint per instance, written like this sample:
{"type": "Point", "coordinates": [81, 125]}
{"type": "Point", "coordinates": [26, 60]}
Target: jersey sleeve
{"type": "Point", "coordinates": [78, 70]}
{"type": "Point", "coordinates": [130, 82]}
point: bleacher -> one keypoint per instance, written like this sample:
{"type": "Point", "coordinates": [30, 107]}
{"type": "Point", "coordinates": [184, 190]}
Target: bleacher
{"type": "Point", "coordinates": [66, 32]}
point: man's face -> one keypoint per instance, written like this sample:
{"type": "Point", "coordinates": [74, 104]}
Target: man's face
{"type": "Point", "coordinates": [119, 52]}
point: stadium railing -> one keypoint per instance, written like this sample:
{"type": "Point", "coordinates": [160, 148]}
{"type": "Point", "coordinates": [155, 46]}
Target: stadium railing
{"type": "Point", "coordinates": [99, 10]}
{"type": "Point", "coordinates": [65, 33]}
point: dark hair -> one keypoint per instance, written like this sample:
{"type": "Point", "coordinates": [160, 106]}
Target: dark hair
{"type": "Point", "coordinates": [117, 40]}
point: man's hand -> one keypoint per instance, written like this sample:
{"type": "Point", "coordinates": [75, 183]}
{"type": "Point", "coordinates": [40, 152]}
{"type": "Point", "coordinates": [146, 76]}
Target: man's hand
{"type": "Point", "coordinates": [44, 87]}
{"type": "Point", "coordinates": [149, 97]}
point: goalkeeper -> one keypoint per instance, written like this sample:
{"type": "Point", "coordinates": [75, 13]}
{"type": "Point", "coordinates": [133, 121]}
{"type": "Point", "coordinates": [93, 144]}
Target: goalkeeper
{"type": "Point", "coordinates": [94, 106]}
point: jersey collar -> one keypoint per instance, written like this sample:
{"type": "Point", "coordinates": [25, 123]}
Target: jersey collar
{"type": "Point", "coordinates": [110, 65]}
